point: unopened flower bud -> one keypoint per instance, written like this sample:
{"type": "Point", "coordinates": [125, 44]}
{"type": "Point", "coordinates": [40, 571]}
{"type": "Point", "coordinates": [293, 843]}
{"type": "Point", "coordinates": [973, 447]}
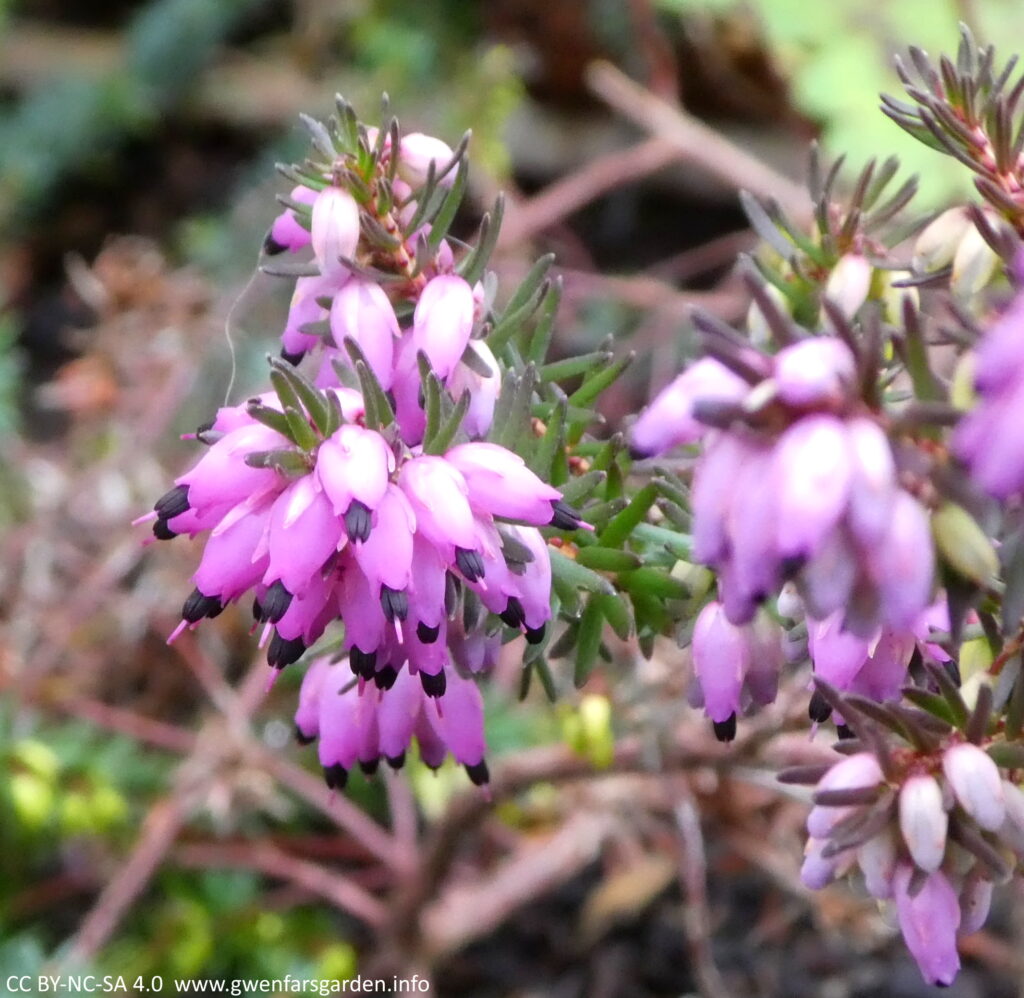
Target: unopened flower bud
{"type": "Point", "coordinates": [877, 861]}
{"type": "Point", "coordinates": [937, 244]}
{"type": "Point", "coordinates": [975, 902]}
{"type": "Point", "coordinates": [849, 283]}
{"type": "Point", "coordinates": [814, 371]}
{"type": "Point", "coordinates": [977, 784]}
{"type": "Point", "coordinates": [964, 545]}
{"type": "Point", "coordinates": [335, 229]}
{"type": "Point", "coordinates": [974, 264]}
{"type": "Point", "coordinates": [415, 154]}
{"type": "Point", "coordinates": [923, 821]}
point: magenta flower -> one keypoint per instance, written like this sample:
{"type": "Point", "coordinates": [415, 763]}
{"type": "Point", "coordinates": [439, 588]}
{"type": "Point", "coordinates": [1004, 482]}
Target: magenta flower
{"type": "Point", "coordinates": [669, 420]}
{"type": "Point", "coordinates": [287, 233]}
{"type": "Point", "coordinates": [730, 661]}
{"type": "Point", "coordinates": [361, 311]}
{"type": "Point", "coordinates": [335, 230]}
{"type": "Point", "coordinates": [443, 321]}
{"type": "Point", "coordinates": [360, 723]}
{"type": "Point", "coordinates": [929, 918]}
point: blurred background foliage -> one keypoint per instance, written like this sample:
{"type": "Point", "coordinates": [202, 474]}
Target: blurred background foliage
{"type": "Point", "coordinates": [160, 122]}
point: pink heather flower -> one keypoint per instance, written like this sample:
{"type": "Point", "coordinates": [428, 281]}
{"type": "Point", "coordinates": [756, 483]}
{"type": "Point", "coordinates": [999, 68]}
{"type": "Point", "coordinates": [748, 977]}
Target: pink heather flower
{"type": "Point", "coordinates": [500, 484]}
{"type": "Point", "coordinates": [923, 821]}
{"type": "Point", "coordinates": [816, 371]}
{"type": "Point", "coordinates": [713, 491]}
{"type": "Point", "coordinates": [335, 230]}
{"type": "Point", "coordinates": [818, 871]}
{"type": "Point", "coordinates": [362, 312]}
{"type": "Point", "coordinates": [287, 233]}
{"type": "Point", "coordinates": [903, 564]}
{"type": "Point", "coordinates": [977, 784]}
{"type": "Point", "coordinates": [929, 921]}
{"type": "Point", "coordinates": [222, 478]}
{"type": "Point", "coordinates": [385, 557]}
{"type": "Point", "coordinates": [873, 487]}
{"type": "Point", "coordinates": [442, 322]}
{"type": "Point", "coordinates": [362, 723]}
{"type": "Point", "coordinates": [669, 420]}
{"type": "Point", "coordinates": [874, 667]}
{"type": "Point", "coordinates": [232, 563]}
{"type": "Point", "coordinates": [303, 533]}
{"type": "Point", "coordinates": [305, 309]}
{"type": "Point", "coordinates": [721, 657]}
{"type": "Point", "coordinates": [812, 473]}
{"type": "Point", "coordinates": [725, 667]}
{"type": "Point", "coordinates": [353, 465]}
{"type": "Point", "coordinates": [416, 152]}
{"type": "Point", "coordinates": [440, 500]}
{"type": "Point", "coordinates": [792, 486]}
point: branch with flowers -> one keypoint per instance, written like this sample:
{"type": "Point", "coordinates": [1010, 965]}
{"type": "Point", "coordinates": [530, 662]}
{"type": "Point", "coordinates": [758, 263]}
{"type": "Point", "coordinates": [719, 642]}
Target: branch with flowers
{"type": "Point", "coordinates": [423, 475]}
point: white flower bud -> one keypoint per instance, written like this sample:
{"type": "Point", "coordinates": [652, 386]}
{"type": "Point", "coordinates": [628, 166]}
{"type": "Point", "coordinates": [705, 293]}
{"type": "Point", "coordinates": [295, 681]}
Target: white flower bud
{"type": "Point", "coordinates": [973, 265]}
{"type": "Point", "coordinates": [923, 821]}
{"type": "Point", "coordinates": [849, 283]}
{"type": "Point", "coordinates": [976, 782]}
{"type": "Point", "coordinates": [937, 244]}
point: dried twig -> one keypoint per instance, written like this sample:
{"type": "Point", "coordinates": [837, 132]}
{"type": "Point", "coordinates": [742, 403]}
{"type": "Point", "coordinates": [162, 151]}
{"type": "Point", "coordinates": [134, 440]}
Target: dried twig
{"type": "Point", "coordinates": [696, 142]}
{"type": "Point", "coordinates": [267, 859]}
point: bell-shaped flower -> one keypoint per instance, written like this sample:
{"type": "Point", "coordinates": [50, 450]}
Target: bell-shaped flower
{"type": "Point", "coordinates": [222, 477]}
{"type": "Point", "coordinates": [385, 557]}
{"type": "Point", "coordinates": [483, 391]}
{"type": "Point", "coordinates": [873, 488]}
{"type": "Point", "coordinates": [500, 484]}
{"type": "Point", "coordinates": [721, 657]}
{"type": "Point", "coordinates": [670, 421]}
{"type": "Point", "coordinates": [303, 533]}
{"type": "Point", "coordinates": [815, 371]}
{"type": "Point", "coordinates": [904, 563]}
{"type": "Point", "coordinates": [443, 321]}
{"type": "Point", "coordinates": [440, 501]}
{"type": "Point", "coordinates": [362, 312]}
{"type": "Point", "coordinates": [230, 565]}
{"type": "Point", "coordinates": [307, 714]}
{"type": "Point", "coordinates": [287, 233]}
{"type": "Point", "coordinates": [354, 464]}
{"type": "Point", "coordinates": [335, 230]}
{"type": "Point", "coordinates": [305, 308]}
{"type": "Point", "coordinates": [929, 919]}
{"type": "Point", "coordinates": [348, 726]}
{"type": "Point", "coordinates": [811, 479]}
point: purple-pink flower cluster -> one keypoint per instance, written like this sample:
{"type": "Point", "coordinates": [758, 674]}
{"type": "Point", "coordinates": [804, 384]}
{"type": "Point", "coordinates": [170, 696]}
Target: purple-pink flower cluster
{"type": "Point", "coordinates": [924, 831]}
{"type": "Point", "coordinates": [324, 515]}
{"type": "Point", "coordinates": [796, 480]}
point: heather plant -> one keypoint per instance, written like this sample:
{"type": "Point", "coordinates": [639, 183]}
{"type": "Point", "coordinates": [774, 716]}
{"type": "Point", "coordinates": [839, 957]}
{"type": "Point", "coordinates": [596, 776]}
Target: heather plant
{"type": "Point", "coordinates": [423, 475]}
